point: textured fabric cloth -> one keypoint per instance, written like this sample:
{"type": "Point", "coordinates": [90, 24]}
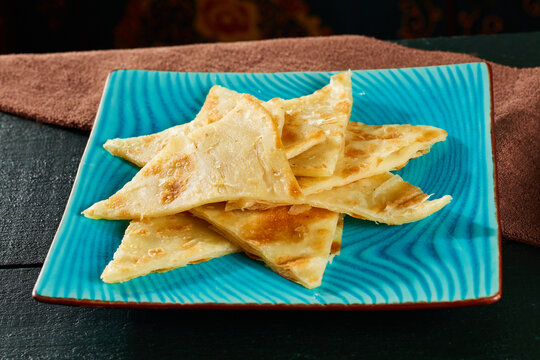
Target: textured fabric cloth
{"type": "Point", "coordinates": [65, 89]}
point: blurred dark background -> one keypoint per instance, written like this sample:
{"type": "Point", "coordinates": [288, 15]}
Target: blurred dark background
{"type": "Point", "coordinates": [63, 25]}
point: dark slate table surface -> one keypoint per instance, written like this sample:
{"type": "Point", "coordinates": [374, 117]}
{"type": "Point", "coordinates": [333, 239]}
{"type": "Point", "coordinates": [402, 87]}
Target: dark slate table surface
{"type": "Point", "coordinates": [37, 168]}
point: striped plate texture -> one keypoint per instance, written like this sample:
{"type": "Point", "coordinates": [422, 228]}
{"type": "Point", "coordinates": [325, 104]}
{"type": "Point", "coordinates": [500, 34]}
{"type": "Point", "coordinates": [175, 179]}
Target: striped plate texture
{"type": "Point", "coordinates": [450, 258]}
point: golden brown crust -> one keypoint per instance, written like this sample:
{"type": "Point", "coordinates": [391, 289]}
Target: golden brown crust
{"type": "Point", "coordinates": [116, 201]}
{"type": "Point", "coordinates": [384, 198]}
{"type": "Point", "coordinates": [374, 149]}
{"type": "Point", "coordinates": [278, 225]}
{"type": "Point", "coordinates": [163, 244]}
{"type": "Point", "coordinates": [296, 246]}
{"type": "Point", "coordinates": [236, 157]}
{"type": "Point", "coordinates": [288, 135]}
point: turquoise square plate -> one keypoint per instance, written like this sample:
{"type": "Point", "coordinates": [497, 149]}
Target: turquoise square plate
{"type": "Point", "coordinates": [451, 258]}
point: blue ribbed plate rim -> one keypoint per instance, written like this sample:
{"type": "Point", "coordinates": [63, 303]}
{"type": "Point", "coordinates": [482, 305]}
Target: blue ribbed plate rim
{"type": "Point", "coordinates": [449, 259]}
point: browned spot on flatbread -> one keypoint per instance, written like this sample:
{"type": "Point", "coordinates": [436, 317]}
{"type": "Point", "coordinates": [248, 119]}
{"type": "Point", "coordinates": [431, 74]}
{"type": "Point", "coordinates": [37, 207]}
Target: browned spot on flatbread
{"type": "Point", "coordinates": [150, 138]}
{"type": "Point", "coordinates": [291, 260]}
{"type": "Point", "coordinates": [140, 231]}
{"type": "Point", "coordinates": [322, 232]}
{"type": "Point", "coordinates": [407, 199]}
{"type": "Point", "coordinates": [277, 225]}
{"type": "Point", "coordinates": [213, 116]}
{"type": "Point", "coordinates": [349, 171]}
{"type": "Point", "coordinates": [117, 152]}
{"type": "Point", "coordinates": [177, 170]}
{"type": "Point", "coordinates": [336, 247]}
{"type": "Point", "coordinates": [288, 135]}
{"type": "Point", "coordinates": [429, 135]}
{"type": "Point", "coordinates": [198, 261]}
{"type": "Point", "coordinates": [252, 98]}
{"type": "Point", "coordinates": [163, 144]}
{"type": "Point", "coordinates": [360, 135]}
{"type": "Point", "coordinates": [180, 162]}
{"type": "Point", "coordinates": [343, 106]}
{"type": "Point", "coordinates": [209, 108]}
{"type": "Point", "coordinates": [294, 189]}
{"type": "Point", "coordinates": [323, 115]}
{"type": "Point", "coordinates": [152, 169]}
{"type": "Point", "coordinates": [279, 144]}
{"type": "Point", "coordinates": [353, 153]}
{"type": "Point", "coordinates": [172, 188]}
{"type": "Point", "coordinates": [124, 214]}
{"type": "Point", "coordinates": [116, 201]}
{"type": "Point", "coordinates": [189, 242]}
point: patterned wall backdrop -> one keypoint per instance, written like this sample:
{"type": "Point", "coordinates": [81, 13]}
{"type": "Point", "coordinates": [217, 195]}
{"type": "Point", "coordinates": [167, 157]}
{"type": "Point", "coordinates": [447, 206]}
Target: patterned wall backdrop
{"type": "Point", "coordinates": [61, 25]}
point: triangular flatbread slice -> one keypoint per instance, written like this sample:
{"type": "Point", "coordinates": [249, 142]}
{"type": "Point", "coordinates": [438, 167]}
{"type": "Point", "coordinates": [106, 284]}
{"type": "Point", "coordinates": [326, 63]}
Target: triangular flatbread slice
{"type": "Point", "coordinates": [240, 156]}
{"type": "Point", "coordinates": [219, 101]}
{"type": "Point", "coordinates": [384, 198]}
{"type": "Point", "coordinates": [295, 246]}
{"type": "Point", "coordinates": [327, 109]}
{"type": "Point", "coordinates": [141, 149]}
{"type": "Point", "coordinates": [162, 244]}
{"type": "Point", "coordinates": [375, 149]}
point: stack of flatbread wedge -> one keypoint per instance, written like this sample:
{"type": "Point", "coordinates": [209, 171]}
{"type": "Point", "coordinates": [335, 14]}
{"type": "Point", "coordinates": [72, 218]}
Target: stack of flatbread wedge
{"type": "Point", "coordinates": [273, 179]}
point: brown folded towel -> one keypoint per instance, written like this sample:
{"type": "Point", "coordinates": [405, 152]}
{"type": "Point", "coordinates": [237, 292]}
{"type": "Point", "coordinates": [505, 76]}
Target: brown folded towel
{"type": "Point", "coordinates": [65, 89]}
